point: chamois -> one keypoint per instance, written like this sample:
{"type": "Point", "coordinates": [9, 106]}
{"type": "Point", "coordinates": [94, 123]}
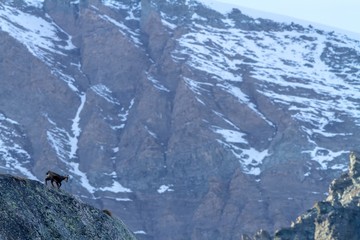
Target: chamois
{"type": "Point", "coordinates": [54, 177]}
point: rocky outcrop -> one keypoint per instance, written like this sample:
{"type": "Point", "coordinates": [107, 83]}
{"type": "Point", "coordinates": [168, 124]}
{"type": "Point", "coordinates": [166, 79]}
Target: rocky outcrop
{"type": "Point", "coordinates": [337, 217]}
{"type": "Point", "coordinates": [30, 210]}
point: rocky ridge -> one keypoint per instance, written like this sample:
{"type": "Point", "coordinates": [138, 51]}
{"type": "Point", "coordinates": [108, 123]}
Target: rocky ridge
{"type": "Point", "coordinates": [336, 217]}
{"type": "Point", "coordinates": [30, 210]}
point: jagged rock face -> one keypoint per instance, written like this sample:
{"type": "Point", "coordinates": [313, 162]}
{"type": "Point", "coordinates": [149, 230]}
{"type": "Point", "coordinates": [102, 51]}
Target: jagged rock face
{"type": "Point", "coordinates": [354, 166]}
{"type": "Point", "coordinates": [176, 117]}
{"type": "Point", "coordinates": [338, 217]}
{"type": "Point", "coordinates": [30, 210]}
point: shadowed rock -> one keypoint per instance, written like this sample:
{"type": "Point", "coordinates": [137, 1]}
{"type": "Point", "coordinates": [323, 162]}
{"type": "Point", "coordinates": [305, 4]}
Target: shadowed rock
{"type": "Point", "coordinates": [30, 210]}
{"type": "Point", "coordinates": [337, 217]}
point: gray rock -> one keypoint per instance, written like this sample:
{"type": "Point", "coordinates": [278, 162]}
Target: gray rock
{"type": "Point", "coordinates": [31, 210]}
{"type": "Point", "coordinates": [338, 217]}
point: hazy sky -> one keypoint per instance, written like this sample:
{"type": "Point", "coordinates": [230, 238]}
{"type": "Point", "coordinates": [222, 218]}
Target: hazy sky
{"type": "Point", "coordinates": [342, 14]}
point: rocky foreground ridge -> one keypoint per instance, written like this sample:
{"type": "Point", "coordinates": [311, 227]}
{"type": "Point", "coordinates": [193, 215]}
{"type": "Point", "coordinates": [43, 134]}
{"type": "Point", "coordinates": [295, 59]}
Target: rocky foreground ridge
{"type": "Point", "coordinates": [337, 217]}
{"type": "Point", "coordinates": [29, 210]}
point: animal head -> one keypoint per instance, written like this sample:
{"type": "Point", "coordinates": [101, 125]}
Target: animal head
{"type": "Point", "coordinates": [67, 178]}
{"type": "Point", "coordinates": [107, 212]}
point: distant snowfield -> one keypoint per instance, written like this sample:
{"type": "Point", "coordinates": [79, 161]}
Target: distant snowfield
{"type": "Point", "coordinates": [277, 57]}
{"type": "Point", "coordinates": [39, 35]}
{"type": "Point", "coordinates": [226, 8]}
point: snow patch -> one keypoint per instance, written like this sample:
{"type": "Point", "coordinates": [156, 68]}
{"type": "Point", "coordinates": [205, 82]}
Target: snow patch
{"type": "Point", "coordinates": [140, 232]}
{"type": "Point", "coordinates": [39, 35]}
{"type": "Point", "coordinates": [157, 84]}
{"type": "Point", "coordinates": [249, 158]}
{"type": "Point", "coordinates": [232, 136]}
{"type": "Point", "coordinates": [104, 92]}
{"type": "Point", "coordinates": [165, 188]}
{"type": "Point", "coordinates": [13, 156]}
{"type": "Point", "coordinates": [324, 156]}
{"type": "Point", "coordinates": [116, 188]}
{"type": "Point", "coordinates": [34, 3]}
{"type": "Point", "coordinates": [114, 4]}
{"type": "Point", "coordinates": [126, 31]}
{"type": "Point", "coordinates": [75, 128]}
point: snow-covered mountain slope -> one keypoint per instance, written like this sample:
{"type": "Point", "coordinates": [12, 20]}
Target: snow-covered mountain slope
{"type": "Point", "coordinates": [311, 73]}
{"type": "Point", "coordinates": [170, 110]}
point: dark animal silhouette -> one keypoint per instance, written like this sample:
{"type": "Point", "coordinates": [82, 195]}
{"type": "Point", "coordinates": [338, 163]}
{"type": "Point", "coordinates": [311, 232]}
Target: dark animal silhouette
{"type": "Point", "coordinates": [54, 177]}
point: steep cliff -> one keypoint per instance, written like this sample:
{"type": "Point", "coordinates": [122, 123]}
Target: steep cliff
{"type": "Point", "coordinates": [337, 217]}
{"type": "Point", "coordinates": [30, 210]}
